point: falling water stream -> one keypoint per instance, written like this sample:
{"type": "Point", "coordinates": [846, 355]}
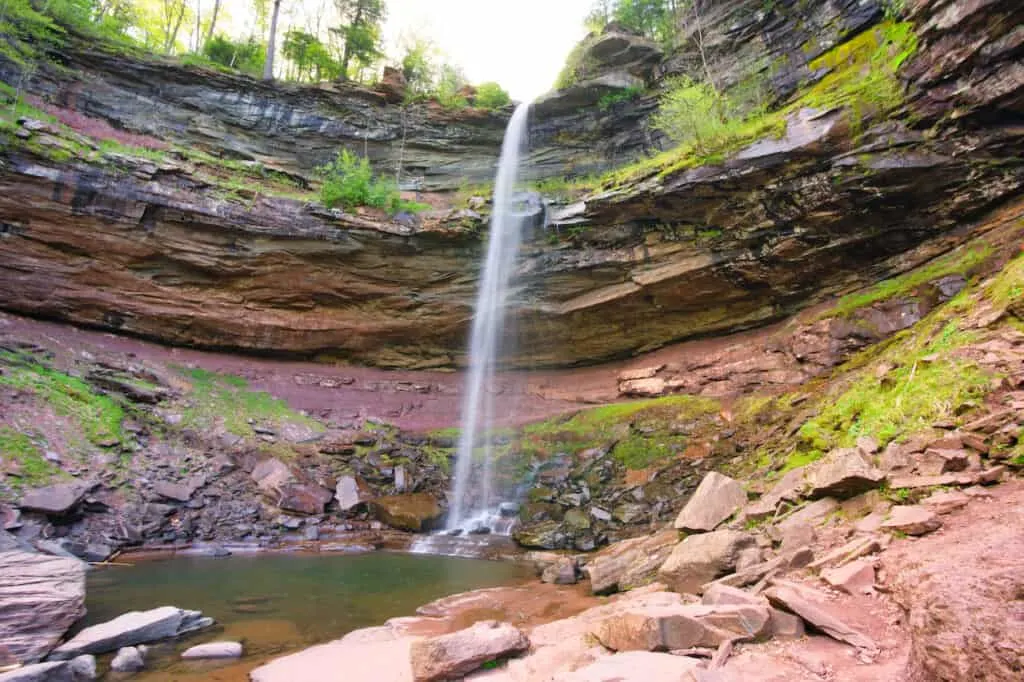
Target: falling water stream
{"type": "Point", "coordinates": [473, 504]}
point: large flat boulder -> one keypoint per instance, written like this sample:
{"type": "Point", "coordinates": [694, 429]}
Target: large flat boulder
{"type": "Point", "coordinates": [630, 563]}
{"type": "Point", "coordinates": [633, 666]}
{"type": "Point", "coordinates": [699, 559]}
{"type": "Point", "coordinates": [457, 654]}
{"type": "Point", "coordinates": [41, 596]}
{"type": "Point", "coordinates": [351, 491]}
{"type": "Point", "coordinates": [843, 473]}
{"type": "Point", "coordinates": [667, 628]}
{"type": "Point", "coordinates": [370, 655]}
{"type": "Point", "coordinates": [815, 608]}
{"type": "Point", "coordinates": [416, 512]}
{"type": "Point", "coordinates": [56, 499]}
{"type": "Point", "coordinates": [716, 498]}
{"type": "Point", "coordinates": [134, 627]}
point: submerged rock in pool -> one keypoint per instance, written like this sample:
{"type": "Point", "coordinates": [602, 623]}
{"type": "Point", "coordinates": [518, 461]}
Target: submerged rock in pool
{"type": "Point", "coordinates": [135, 627]}
{"type": "Point", "coordinates": [214, 650]}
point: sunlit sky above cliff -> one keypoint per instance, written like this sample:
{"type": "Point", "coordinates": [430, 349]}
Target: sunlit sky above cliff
{"type": "Point", "coordinates": [521, 44]}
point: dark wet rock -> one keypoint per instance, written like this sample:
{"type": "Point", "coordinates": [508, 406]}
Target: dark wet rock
{"type": "Point", "coordinates": [41, 596]}
{"type": "Point", "coordinates": [178, 491]}
{"type": "Point", "coordinates": [543, 535]}
{"type": "Point", "coordinates": [55, 499]}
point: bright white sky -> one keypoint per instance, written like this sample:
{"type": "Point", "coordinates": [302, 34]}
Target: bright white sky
{"type": "Point", "coordinates": [521, 44]}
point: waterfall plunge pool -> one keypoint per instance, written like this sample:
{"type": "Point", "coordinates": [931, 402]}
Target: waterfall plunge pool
{"type": "Point", "coordinates": [278, 604]}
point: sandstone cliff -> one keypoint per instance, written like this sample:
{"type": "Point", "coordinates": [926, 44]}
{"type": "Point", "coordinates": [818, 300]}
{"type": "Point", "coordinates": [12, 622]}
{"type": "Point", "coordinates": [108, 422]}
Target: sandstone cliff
{"type": "Point", "coordinates": [157, 249]}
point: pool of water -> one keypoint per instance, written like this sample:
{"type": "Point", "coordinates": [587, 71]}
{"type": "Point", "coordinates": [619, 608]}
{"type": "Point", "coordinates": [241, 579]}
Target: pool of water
{"type": "Point", "coordinates": [279, 604]}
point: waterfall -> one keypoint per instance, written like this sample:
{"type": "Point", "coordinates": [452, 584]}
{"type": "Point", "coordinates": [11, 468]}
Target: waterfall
{"type": "Point", "coordinates": [488, 324]}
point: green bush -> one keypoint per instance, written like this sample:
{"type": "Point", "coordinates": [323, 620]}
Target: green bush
{"type": "Point", "coordinates": [491, 96]}
{"type": "Point", "coordinates": [246, 55]}
{"type": "Point", "coordinates": [696, 113]}
{"type": "Point", "coordinates": [348, 181]}
{"type": "Point", "coordinates": [610, 99]}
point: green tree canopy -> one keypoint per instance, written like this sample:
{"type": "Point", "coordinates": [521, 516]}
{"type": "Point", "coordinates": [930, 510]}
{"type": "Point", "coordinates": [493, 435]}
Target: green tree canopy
{"type": "Point", "coordinates": [359, 32]}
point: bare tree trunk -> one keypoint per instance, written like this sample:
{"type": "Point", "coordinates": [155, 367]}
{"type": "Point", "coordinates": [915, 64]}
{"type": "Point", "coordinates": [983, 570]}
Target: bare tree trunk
{"type": "Point", "coordinates": [172, 33]}
{"type": "Point", "coordinates": [700, 46]}
{"type": "Point", "coordinates": [268, 65]}
{"type": "Point", "coordinates": [213, 21]}
{"type": "Point", "coordinates": [199, 32]}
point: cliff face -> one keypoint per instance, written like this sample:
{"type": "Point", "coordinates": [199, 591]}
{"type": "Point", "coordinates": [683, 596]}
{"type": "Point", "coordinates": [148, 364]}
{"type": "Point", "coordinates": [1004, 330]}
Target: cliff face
{"type": "Point", "coordinates": [149, 248]}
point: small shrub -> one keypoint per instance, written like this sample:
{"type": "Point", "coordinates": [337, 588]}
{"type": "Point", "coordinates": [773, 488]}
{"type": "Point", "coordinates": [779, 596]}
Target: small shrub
{"type": "Point", "coordinates": [349, 182]}
{"type": "Point", "coordinates": [695, 113]}
{"type": "Point", "coordinates": [491, 96]}
{"type": "Point", "coordinates": [610, 99]}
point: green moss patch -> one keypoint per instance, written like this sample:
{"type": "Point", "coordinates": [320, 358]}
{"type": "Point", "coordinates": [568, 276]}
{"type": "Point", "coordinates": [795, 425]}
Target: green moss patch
{"type": "Point", "coordinates": [226, 398]}
{"type": "Point", "coordinates": [928, 384]}
{"type": "Point", "coordinates": [958, 263]}
{"type": "Point", "coordinates": [19, 449]}
{"type": "Point", "coordinates": [641, 433]}
{"type": "Point", "coordinates": [98, 415]}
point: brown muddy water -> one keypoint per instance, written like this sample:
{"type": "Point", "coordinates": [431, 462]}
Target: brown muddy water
{"type": "Point", "coordinates": [280, 603]}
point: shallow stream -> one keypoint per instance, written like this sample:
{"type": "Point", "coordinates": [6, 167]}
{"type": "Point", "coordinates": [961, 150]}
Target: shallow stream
{"type": "Point", "coordinates": [280, 603]}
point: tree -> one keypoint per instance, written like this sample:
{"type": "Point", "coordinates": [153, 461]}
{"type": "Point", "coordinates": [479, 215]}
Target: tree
{"type": "Point", "coordinates": [491, 96]}
{"type": "Point", "coordinates": [359, 31]}
{"type": "Point", "coordinates": [268, 65]}
{"type": "Point", "coordinates": [600, 15]}
{"type": "Point", "coordinates": [418, 65]}
{"type": "Point", "coordinates": [450, 83]}
{"type": "Point", "coordinates": [213, 21]}
{"type": "Point", "coordinates": [172, 15]}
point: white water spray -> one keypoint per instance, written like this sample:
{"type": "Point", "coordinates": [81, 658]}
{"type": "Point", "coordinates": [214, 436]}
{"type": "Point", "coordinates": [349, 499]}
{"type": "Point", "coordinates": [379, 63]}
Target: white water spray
{"type": "Point", "coordinates": [488, 326]}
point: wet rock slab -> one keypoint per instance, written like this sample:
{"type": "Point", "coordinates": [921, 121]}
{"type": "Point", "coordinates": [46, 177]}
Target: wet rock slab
{"type": "Point", "coordinates": [130, 629]}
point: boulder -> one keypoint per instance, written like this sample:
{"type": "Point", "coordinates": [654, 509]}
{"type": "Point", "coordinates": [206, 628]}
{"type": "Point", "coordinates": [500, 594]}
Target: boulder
{"type": "Point", "coordinates": [454, 655]}
{"type": "Point", "coordinates": [55, 499]}
{"type": "Point", "coordinates": [669, 628]}
{"type": "Point", "coordinates": [130, 629]}
{"type": "Point", "coordinates": [843, 473]}
{"type": "Point", "coordinates": [371, 655]}
{"type": "Point", "coordinates": [304, 498]}
{"type": "Point", "coordinates": [788, 488]}
{"type": "Point", "coordinates": [633, 666]}
{"type": "Point", "coordinates": [856, 577]}
{"type": "Point", "coordinates": [562, 572]}
{"type": "Point", "coordinates": [416, 512]}
{"type": "Point", "coordinates": [784, 625]}
{"type": "Point", "coordinates": [83, 668]}
{"type": "Point", "coordinates": [715, 500]}
{"type": "Point", "coordinates": [724, 595]}
{"type": "Point", "coordinates": [543, 535]}
{"type": "Point", "coordinates": [938, 461]}
{"type": "Point", "coordinates": [701, 558]}
{"type": "Point", "coordinates": [128, 660]}
{"type": "Point", "coordinates": [214, 650]}
{"type": "Point", "coordinates": [180, 492]}
{"type": "Point", "coordinates": [814, 608]}
{"type": "Point", "coordinates": [912, 519]}
{"type": "Point", "coordinates": [41, 596]}
{"type": "Point", "coordinates": [630, 563]}
{"type": "Point", "coordinates": [945, 502]}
